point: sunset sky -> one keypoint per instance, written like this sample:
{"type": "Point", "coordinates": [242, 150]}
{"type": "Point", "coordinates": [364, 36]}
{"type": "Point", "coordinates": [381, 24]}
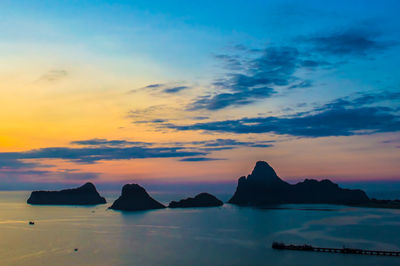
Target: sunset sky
{"type": "Point", "coordinates": [198, 91]}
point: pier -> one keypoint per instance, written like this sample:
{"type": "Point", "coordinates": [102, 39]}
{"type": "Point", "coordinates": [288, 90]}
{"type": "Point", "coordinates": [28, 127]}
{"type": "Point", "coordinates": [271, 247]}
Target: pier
{"type": "Point", "coordinates": [282, 246]}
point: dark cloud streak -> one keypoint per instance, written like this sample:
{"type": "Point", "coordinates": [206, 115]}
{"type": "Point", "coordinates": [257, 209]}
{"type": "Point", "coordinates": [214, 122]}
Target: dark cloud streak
{"type": "Point", "coordinates": [95, 150]}
{"type": "Point", "coordinates": [351, 41]}
{"type": "Point", "coordinates": [253, 77]}
{"type": "Point", "coordinates": [341, 117]}
{"type": "Point", "coordinates": [200, 159]}
{"type": "Point", "coordinates": [105, 142]}
{"type": "Point", "coordinates": [175, 89]}
{"type": "Point", "coordinates": [275, 67]}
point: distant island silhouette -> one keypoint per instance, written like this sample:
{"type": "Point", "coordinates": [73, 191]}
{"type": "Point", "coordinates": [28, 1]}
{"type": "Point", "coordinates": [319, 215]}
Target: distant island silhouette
{"type": "Point", "coordinates": [83, 195]}
{"type": "Point", "coordinates": [263, 187]}
{"type": "Point", "coordinates": [135, 198]}
{"type": "Point", "coordinates": [200, 200]}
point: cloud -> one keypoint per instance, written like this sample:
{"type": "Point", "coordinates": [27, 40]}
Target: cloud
{"type": "Point", "coordinates": [200, 118]}
{"type": "Point", "coordinates": [224, 100]}
{"type": "Point", "coordinates": [95, 154]}
{"type": "Point", "coordinates": [256, 76]}
{"type": "Point", "coordinates": [159, 121]}
{"type": "Point", "coordinates": [175, 89]}
{"type": "Point", "coordinates": [301, 84]}
{"type": "Point", "coordinates": [157, 88]}
{"type": "Point", "coordinates": [150, 87]}
{"type": "Point", "coordinates": [259, 77]}
{"type": "Point", "coordinates": [392, 141]}
{"type": "Point", "coordinates": [147, 111]}
{"type": "Point", "coordinates": [230, 144]}
{"type": "Point", "coordinates": [232, 62]}
{"type": "Point", "coordinates": [275, 67]}
{"type": "Point", "coordinates": [22, 166]}
{"type": "Point", "coordinates": [389, 99]}
{"type": "Point", "coordinates": [154, 86]}
{"type": "Point", "coordinates": [153, 114]}
{"type": "Point", "coordinates": [350, 41]}
{"type": "Point", "coordinates": [200, 159]}
{"type": "Point", "coordinates": [54, 75]}
{"type": "Point", "coordinates": [312, 63]}
{"type": "Point", "coordinates": [78, 176]}
{"type": "Point", "coordinates": [105, 142]}
{"type": "Point", "coordinates": [95, 150]}
{"type": "Point", "coordinates": [12, 163]}
{"type": "Point", "coordinates": [13, 174]}
{"type": "Point", "coordinates": [14, 167]}
{"type": "Point", "coordinates": [341, 117]}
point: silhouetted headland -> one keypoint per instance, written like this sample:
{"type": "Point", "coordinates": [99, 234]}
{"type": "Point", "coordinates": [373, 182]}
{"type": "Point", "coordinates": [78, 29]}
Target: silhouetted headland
{"type": "Point", "coordinates": [264, 187]}
{"type": "Point", "coordinates": [200, 200]}
{"type": "Point", "coordinates": [84, 195]}
{"type": "Point", "coordinates": [135, 198]}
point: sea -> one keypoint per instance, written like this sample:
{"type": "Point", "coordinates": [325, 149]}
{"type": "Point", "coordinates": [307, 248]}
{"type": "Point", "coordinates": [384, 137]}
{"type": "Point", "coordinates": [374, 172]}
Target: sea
{"type": "Point", "coordinates": [227, 235]}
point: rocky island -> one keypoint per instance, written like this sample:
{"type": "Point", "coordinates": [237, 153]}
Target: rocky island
{"type": "Point", "coordinates": [135, 198]}
{"type": "Point", "coordinates": [200, 200]}
{"type": "Point", "coordinates": [83, 195]}
{"type": "Point", "coordinates": [263, 187]}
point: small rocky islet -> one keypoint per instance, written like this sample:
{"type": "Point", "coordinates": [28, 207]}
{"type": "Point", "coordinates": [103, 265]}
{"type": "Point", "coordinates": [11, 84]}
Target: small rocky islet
{"type": "Point", "coordinates": [200, 200]}
{"type": "Point", "coordinates": [84, 195]}
{"type": "Point", "coordinates": [135, 198]}
{"type": "Point", "coordinates": [261, 188]}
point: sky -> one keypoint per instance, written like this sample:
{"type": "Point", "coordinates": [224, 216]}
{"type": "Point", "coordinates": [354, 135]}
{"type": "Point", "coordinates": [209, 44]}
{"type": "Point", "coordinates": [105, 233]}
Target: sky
{"type": "Point", "coordinates": [195, 92]}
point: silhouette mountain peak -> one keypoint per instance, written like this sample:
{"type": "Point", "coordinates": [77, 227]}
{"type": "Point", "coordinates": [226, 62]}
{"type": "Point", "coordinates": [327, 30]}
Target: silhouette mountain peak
{"type": "Point", "coordinates": [263, 186]}
{"type": "Point", "coordinates": [128, 189]}
{"type": "Point", "coordinates": [88, 186]}
{"type": "Point", "coordinates": [264, 173]}
{"type": "Point", "coordinates": [135, 198]}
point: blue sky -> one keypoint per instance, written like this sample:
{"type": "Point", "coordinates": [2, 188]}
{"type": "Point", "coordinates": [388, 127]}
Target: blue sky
{"type": "Point", "coordinates": [186, 37]}
{"type": "Point", "coordinates": [257, 80]}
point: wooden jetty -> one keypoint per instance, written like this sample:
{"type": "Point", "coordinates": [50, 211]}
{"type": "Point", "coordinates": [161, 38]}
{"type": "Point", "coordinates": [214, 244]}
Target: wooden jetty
{"type": "Point", "coordinates": [282, 246]}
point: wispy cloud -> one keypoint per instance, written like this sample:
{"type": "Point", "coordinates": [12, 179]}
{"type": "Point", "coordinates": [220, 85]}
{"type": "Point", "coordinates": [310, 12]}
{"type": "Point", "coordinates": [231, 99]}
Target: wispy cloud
{"type": "Point", "coordinates": [275, 67]}
{"type": "Point", "coordinates": [14, 163]}
{"type": "Point", "coordinates": [341, 117]}
{"type": "Point", "coordinates": [94, 154]}
{"type": "Point", "coordinates": [175, 89]}
{"type": "Point", "coordinates": [359, 41]}
{"type": "Point", "coordinates": [217, 144]}
{"type": "Point", "coordinates": [154, 114]}
{"type": "Point", "coordinates": [200, 159]}
{"type": "Point", "coordinates": [256, 76]}
{"type": "Point", "coordinates": [15, 167]}
{"type": "Point", "coordinates": [13, 174]}
{"type": "Point", "coordinates": [96, 150]}
{"type": "Point", "coordinates": [151, 86]}
{"type": "Point", "coordinates": [54, 75]}
{"type": "Point", "coordinates": [105, 143]}
{"type": "Point", "coordinates": [78, 176]}
{"type": "Point", "coordinates": [160, 88]}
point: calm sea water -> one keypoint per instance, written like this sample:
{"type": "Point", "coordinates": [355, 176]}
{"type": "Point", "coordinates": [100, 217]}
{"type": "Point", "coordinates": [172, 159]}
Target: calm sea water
{"type": "Point", "coordinates": [227, 235]}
